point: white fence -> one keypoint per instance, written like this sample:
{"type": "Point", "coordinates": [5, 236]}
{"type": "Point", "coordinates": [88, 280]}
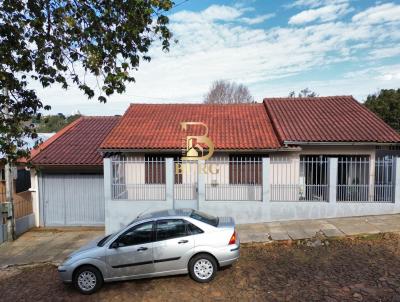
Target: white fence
{"type": "Point", "coordinates": [138, 179]}
{"type": "Point", "coordinates": [237, 178]}
{"type": "Point", "coordinates": [240, 178]}
{"type": "Point", "coordinates": [185, 180]}
{"type": "Point", "coordinates": [359, 180]}
{"type": "Point", "coordinates": [299, 179]}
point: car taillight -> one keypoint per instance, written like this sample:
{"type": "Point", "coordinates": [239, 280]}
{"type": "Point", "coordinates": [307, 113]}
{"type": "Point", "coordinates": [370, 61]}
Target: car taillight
{"type": "Point", "coordinates": [233, 238]}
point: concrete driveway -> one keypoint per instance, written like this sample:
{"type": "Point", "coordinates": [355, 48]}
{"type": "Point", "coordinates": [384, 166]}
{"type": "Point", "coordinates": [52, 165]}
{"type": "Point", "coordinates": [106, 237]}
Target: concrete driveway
{"type": "Point", "coordinates": [46, 245]}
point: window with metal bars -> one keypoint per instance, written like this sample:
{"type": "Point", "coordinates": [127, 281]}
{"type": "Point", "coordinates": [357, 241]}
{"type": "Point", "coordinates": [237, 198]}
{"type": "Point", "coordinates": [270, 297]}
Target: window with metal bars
{"type": "Point", "coordinates": [155, 169]}
{"type": "Point", "coordinates": [245, 170]}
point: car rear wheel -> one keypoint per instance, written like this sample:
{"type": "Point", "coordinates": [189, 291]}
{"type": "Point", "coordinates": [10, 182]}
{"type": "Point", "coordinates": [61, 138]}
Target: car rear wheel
{"type": "Point", "coordinates": [88, 280]}
{"type": "Point", "coordinates": [202, 268]}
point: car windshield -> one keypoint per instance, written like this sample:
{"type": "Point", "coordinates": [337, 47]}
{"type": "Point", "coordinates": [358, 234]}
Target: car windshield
{"type": "Point", "coordinates": [203, 217]}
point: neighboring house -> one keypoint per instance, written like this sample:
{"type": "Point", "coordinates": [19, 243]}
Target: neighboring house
{"type": "Point", "coordinates": [22, 201]}
{"type": "Point", "coordinates": [286, 158]}
{"type": "Point", "coordinates": [22, 195]}
{"type": "Point", "coordinates": [68, 174]}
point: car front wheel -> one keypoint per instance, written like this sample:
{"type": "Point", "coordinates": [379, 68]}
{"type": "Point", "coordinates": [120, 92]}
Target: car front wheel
{"type": "Point", "coordinates": [88, 280]}
{"type": "Point", "coordinates": [202, 268]}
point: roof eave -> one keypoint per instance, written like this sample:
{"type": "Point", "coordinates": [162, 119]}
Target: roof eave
{"type": "Point", "coordinates": [340, 143]}
{"type": "Point", "coordinates": [66, 165]}
{"type": "Point", "coordinates": [164, 150]}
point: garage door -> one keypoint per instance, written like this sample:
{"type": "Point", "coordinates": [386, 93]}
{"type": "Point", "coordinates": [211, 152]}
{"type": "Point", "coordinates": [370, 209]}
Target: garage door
{"type": "Point", "coordinates": [72, 199]}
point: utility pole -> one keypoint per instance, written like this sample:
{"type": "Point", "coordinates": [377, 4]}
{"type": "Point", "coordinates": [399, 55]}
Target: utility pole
{"type": "Point", "coordinates": [9, 189]}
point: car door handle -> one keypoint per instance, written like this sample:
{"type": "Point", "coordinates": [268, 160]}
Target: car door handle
{"type": "Point", "coordinates": [183, 241]}
{"type": "Point", "coordinates": [142, 249]}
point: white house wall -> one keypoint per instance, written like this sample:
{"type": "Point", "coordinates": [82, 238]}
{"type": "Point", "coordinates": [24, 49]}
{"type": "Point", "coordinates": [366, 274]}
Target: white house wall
{"type": "Point", "coordinates": [121, 212]}
{"type": "Point", "coordinates": [35, 196]}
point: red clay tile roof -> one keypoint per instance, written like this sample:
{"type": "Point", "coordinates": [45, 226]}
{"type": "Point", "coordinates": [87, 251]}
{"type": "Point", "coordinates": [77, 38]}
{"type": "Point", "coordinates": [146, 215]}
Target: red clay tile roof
{"type": "Point", "coordinates": [76, 144]}
{"type": "Point", "coordinates": [157, 126]}
{"type": "Point", "coordinates": [327, 119]}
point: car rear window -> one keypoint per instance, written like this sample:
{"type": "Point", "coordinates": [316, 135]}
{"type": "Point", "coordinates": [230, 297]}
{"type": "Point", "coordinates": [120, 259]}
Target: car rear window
{"type": "Point", "coordinates": [193, 230]}
{"type": "Point", "coordinates": [203, 217]}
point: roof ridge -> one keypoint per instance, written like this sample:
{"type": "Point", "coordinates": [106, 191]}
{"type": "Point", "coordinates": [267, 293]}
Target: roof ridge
{"type": "Point", "coordinates": [309, 97]}
{"type": "Point", "coordinates": [364, 108]}
{"type": "Point", "coordinates": [194, 104]}
{"type": "Point", "coordinates": [273, 125]}
{"type": "Point", "coordinates": [85, 117]}
{"type": "Point", "coordinates": [36, 151]}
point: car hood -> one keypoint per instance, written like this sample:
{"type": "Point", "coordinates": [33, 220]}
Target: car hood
{"type": "Point", "coordinates": [88, 246]}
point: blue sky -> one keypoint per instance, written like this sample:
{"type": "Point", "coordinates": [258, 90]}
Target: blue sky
{"type": "Point", "coordinates": [334, 47]}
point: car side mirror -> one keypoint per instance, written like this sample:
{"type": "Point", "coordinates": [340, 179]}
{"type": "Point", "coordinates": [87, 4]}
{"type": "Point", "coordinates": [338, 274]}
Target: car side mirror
{"type": "Point", "coordinates": [115, 244]}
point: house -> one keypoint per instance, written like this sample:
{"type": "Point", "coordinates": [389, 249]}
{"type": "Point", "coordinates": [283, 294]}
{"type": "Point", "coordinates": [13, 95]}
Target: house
{"type": "Point", "coordinates": [68, 174]}
{"type": "Point", "coordinates": [22, 201]}
{"type": "Point", "coordinates": [21, 195]}
{"type": "Point", "coordinates": [284, 158]}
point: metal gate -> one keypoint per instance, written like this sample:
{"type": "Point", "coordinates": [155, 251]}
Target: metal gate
{"type": "Point", "coordinates": [72, 199]}
{"type": "Point", "coordinates": [185, 184]}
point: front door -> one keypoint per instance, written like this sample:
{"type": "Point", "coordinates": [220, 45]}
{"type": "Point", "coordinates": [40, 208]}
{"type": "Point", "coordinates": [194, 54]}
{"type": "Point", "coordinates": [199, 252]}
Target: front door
{"type": "Point", "coordinates": [134, 254]}
{"type": "Point", "coordinates": [173, 245]}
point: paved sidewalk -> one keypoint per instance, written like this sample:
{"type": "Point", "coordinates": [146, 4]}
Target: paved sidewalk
{"type": "Point", "coordinates": [303, 229]}
{"type": "Point", "coordinates": [46, 245]}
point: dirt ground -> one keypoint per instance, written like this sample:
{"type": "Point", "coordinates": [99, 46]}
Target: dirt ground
{"type": "Point", "coordinates": [355, 269]}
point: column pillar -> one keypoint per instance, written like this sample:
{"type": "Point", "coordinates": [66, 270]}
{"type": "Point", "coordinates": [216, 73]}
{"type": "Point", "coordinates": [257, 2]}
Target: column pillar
{"type": "Point", "coordinates": [169, 181]}
{"type": "Point", "coordinates": [333, 172]}
{"type": "Point", "coordinates": [201, 183]}
{"type": "Point", "coordinates": [107, 169]}
{"type": "Point", "coordinates": [397, 180]}
{"type": "Point", "coordinates": [266, 189]}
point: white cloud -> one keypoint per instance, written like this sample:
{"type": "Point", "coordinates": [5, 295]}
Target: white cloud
{"type": "Point", "coordinates": [390, 76]}
{"type": "Point", "coordinates": [387, 73]}
{"type": "Point", "coordinates": [382, 13]}
{"type": "Point", "coordinates": [301, 3]}
{"type": "Point", "coordinates": [271, 61]}
{"type": "Point", "coordinates": [382, 73]}
{"type": "Point", "coordinates": [212, 13]}
{"type": "Point", "coordinates": [314, 3]}
{"type": "Point", "coordinates": [324, 13]}
{"type": "Point", "coordinates": [257, 19]}
{"type": "Point", "coordinates": [243, 3]}
{"type": "Point", "coordinates": [385, 52]}
{"type": "Point", "coordinates": [352, 83]}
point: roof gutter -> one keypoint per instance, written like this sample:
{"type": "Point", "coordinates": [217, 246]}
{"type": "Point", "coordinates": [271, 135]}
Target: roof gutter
{"type": "Point", "coordinates": [252, 151]}
{"type": "Point", "coordinates": [286, 143]}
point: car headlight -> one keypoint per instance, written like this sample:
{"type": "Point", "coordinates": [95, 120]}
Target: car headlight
{"type": "Point", "coordinates": [69, 260]}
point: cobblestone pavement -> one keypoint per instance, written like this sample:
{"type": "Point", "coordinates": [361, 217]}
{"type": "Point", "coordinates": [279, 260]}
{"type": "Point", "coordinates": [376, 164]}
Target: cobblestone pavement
{"type": "Point", "coordinates": [342, 269]}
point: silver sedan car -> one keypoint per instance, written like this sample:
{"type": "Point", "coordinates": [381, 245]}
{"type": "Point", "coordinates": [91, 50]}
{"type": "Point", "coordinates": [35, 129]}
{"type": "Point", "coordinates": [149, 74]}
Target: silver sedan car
{"type": "Point", "coordinates": [161, 243]}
